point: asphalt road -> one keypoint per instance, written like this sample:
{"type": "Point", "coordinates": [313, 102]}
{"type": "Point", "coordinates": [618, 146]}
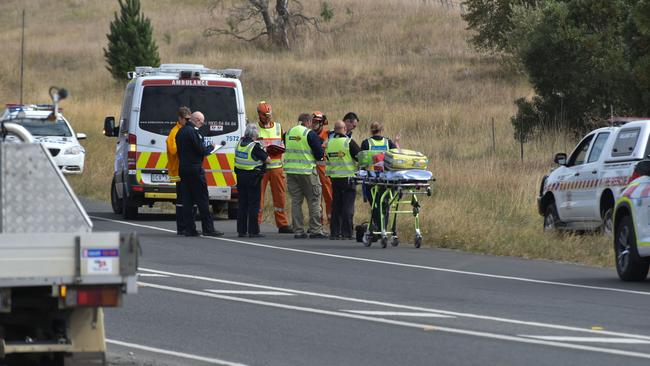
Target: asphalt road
{"type": "Point", "coordinates": [282, 301]}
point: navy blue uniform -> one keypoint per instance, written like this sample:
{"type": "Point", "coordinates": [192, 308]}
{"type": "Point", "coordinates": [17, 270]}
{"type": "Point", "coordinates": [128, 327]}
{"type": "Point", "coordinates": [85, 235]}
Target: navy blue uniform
{"type": "Point", "coordinates": [250, 191]}
{"type": "Point", "coordinates": [191, 151]}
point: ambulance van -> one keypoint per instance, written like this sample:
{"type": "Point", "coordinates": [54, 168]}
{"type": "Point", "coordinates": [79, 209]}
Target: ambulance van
{"type": "Point", "coordinates": [149, 111]}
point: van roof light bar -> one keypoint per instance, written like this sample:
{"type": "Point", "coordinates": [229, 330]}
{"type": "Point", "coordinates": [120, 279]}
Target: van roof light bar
{"type": "Point", "coordinates": [178, 68]}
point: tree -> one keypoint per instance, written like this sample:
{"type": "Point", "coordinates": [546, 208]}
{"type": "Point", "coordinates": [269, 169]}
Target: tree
{"type": "Point", "coordinates": [491, 20]}
{"type": "Point", "coordinates": [130, 41]}
{"type": "Point", "coordinates": [249, 20]}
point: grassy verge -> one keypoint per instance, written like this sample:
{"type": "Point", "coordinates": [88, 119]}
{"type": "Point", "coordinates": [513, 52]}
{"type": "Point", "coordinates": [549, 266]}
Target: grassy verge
{"type": "Point", "coordinates": [402, 62]}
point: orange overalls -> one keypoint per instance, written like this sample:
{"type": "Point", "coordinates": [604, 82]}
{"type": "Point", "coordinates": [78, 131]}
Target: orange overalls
{"type": "Point", "coordinates": [325, 180]}
{"type": "Point", "coordinates": [274, 175]}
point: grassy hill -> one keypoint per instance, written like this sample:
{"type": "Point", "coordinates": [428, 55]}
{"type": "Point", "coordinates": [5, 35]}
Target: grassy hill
{"type": "Point", "coordinates": [404, 63]}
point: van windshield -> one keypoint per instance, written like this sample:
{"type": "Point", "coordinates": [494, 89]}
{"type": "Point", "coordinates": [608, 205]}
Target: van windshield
{"type": "Point", "coordinates": [159, 107]}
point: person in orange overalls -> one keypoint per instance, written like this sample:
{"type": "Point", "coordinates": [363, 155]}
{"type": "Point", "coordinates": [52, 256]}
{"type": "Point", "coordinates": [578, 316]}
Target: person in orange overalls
{"type": "Point", "coordinates": [271, 134]}
{"type": "Point", "coordinates": [318, 123]}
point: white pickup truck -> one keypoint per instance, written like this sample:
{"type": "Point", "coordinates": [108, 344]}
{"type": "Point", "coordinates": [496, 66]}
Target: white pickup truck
{"type": "Point", "coordinates": [580, 194]}
{"type": "Point", "coordinates": [55, 274]}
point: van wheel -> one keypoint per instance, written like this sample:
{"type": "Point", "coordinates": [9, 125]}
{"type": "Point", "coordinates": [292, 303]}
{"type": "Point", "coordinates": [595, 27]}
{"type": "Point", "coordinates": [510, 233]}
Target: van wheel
{"type": "Point", "coordinates": [607, 227]}
{"type": "Point", "coordinates": [116, 202]}
{"type": "Point", "coordinates": [129, 211]}
{"type": "Point", "coordinates": [551, 218]}
{"type": "Point", "coordinates": [629, 266]}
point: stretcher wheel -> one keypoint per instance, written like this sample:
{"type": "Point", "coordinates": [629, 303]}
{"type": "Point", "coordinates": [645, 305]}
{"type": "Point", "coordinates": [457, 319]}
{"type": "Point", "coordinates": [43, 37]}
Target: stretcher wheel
{"type": "Point", "coordinates": [367, 240]}
{"type": "Point", "coordinates": [418, 241]}
{"type": "Point", "coordinates": [395, 241]}
{"type": "Point", "coordinates": [429, 191]}
{"type": "Point", "coordinates": [384, 242]}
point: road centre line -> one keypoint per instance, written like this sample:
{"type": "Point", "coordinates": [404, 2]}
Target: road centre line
{"type": "Point", "coordinates": [213, 361]}
{"type": "Point", "coordinates": [397, 264]}
{"type": "Point", "coordinates": [421, 326]}
{"type": "Point", "coordinates": [399, 313]}
{"type": "Point", "coordinates": [236, 292]}
{"type": "Point", "coordinates": [587, 339]}
{"type": "Point", "coordinates": [405, 307]}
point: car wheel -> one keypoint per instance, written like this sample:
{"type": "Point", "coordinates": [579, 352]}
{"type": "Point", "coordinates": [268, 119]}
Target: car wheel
{"type": "Point", "coordinates": [116, 202]}
{"type": "Point", "coordinates": [607, 227]}
{"type": "Point", "coordinates": [629, 266]}
{"type": "Point", "coordinates": [551, 218]}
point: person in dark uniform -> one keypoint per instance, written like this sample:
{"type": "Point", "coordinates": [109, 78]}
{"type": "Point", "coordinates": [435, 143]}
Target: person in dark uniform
{"type": "Point", "coordinates": [249, 167]}
{"type": "Point", "coordinates": [191, 151]}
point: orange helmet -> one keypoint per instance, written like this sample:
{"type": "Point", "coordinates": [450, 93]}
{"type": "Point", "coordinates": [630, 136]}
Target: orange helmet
{"type": "Point", "coordinates": [264, 108]}
{"type": "Point", "coordinates": [319, 116]}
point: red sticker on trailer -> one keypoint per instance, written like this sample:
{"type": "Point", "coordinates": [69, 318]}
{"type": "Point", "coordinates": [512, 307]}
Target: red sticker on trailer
{"type": "Point", "coordinates": [189, 82]}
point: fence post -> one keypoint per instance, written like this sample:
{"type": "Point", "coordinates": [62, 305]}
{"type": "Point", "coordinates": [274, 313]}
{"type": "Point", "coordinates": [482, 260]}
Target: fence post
{"type": "Point", "coordinates": [494, 141]}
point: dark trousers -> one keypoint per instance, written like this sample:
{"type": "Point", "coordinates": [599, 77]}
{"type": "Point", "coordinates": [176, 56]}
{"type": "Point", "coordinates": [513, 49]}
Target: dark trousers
{"type": "Point", "coordinates": [180, 227]}
{"type": "Point", "coordinates": [249, 188]}
{"type": "Point", "coordinates": [195, 191]}
{"type": "Point", "coordinates": [343, 196]}
{"type": "Point", "coordinates": [376, 212]}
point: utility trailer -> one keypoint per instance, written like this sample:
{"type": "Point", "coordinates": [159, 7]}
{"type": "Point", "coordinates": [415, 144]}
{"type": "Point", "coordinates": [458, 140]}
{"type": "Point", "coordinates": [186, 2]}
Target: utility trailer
{"type": "Point", "coordinates": [56, 275]}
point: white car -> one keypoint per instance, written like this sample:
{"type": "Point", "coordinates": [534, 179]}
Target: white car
{"type": "Point", "coordinates": [56, 135]}
{"type": "Point", "coordinates": [580, 194]}
{"type": "Point", "coordinates": [632, 227]}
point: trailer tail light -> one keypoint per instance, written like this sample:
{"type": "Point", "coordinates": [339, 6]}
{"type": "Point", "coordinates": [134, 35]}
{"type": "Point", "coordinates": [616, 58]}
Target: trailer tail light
{"type": "Point", "coordinates": [90, 296]}
{"type": "Point", "coordinates": [131, 157]}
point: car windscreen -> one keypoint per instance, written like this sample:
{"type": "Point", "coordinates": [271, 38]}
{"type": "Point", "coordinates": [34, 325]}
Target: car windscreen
{"type": "Point", "coordinates": [43, 127]}
{"type": "Point", "coordinates": [159, 107]}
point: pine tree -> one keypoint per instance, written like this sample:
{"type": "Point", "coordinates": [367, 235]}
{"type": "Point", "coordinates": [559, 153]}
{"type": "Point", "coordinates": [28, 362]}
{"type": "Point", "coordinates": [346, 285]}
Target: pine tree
{"type": "Point", "coordinates": [130, 41]}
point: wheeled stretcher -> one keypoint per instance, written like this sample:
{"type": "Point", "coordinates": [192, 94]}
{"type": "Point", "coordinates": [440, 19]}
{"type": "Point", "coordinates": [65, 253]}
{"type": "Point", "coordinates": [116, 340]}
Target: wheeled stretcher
{"type": "Point", "coordinates": [386, 191]}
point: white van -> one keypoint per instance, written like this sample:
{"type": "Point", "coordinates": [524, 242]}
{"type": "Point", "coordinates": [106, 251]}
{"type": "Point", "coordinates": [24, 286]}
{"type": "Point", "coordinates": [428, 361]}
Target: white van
{"type": "Point", "coordinates": [149, 111]}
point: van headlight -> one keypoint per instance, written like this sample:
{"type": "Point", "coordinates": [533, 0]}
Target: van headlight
{"type": "Point", "coordinates": [75, 150]}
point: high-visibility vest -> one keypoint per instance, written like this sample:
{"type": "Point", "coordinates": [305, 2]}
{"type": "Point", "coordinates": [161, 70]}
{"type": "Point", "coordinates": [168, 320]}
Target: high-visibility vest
{"type": "Point", "coordinates": [378, 145]}
{"type": "Point", "coordinates": [272, 136]}
{"type": "Point", "coordinates": [340, 163]}
{"type": "Point", "coordinates": [298, 157]}
{"type": "Point", "coordinates": [244, 157]}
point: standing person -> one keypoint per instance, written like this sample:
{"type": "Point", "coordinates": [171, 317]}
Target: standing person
{"type": "Point", "coordinates": [271, 134]}
{"type": "Point", "coordinates": [341, 164]}
{"type": "Point", "coordinates": [351, 120]}
{"type": "Point", "coordinates": [172, 165]}
{"type": "Point", "coordinates": [318, 123]}
{"type": "Point", "coordinates": [377, 143]}
{"type": "Point", "coordinates": [249, 167]}
{"type": "Point", "coordinates": [303, 150]}
{"type": "Point", "coordinates": [191, 151]}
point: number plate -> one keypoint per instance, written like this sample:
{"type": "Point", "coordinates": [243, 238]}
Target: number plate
{"type": "Point", "coordinates": [219, 193]}
{"type": "Point", "coordinates": [159, 178]}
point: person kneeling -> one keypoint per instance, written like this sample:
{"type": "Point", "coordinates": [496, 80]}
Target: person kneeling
{"type": "Point", "coordinates": [249, 167]}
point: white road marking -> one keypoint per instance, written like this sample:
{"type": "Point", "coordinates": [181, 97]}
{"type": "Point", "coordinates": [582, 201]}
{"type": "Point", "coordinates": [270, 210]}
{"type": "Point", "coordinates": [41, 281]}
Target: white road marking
{"type": "Point", "coordinates": [588, 339]}
{"type": "Point", "coordinates": [152, 275]}
{"type": "Point", "coordinates": [236, 292]}
{"type": "Point", "coordinates": [397, 264]}
{"type": "Point", "coordinates": [405, 307]}
{"type": "Point", "coordinates": [398, 313]}
{"type": "Point", "coordinates": [213, 361]}
{"type": "Point", "coordinates": [421, 326]}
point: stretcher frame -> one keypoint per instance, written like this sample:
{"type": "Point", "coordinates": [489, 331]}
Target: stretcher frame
{"type": "Point", "coordinates": [387, 194]}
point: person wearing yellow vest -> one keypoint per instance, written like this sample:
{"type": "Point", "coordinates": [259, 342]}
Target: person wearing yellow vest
{"type": "Point", "coordinates": [172, 165]}
{"type": "Point", "coordinates": [303, 150]}
{"type": "Point", "coordinates": [271, 134]}
{"type": "Point", "coordinates": [341, 164]}
{"type": "Point", "coordinates": [318, 123]}
{"type": "Point", "coordinates": [249, 167]}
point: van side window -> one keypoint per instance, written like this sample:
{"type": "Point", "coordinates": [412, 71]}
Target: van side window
{"type": "Point", "coordinates": [598, 146]}
{"type": "Point", "coordinates": [626, 142]}
{"type": "Point", "coordinates": [580, 153]}
{"type": "Point", "coordinates": [126, 108]}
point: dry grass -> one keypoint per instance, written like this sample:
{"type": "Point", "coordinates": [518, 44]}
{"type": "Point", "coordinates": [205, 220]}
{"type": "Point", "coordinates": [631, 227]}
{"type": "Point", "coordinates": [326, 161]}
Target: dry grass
{"type": "Point", "coordinates": [402, 62]}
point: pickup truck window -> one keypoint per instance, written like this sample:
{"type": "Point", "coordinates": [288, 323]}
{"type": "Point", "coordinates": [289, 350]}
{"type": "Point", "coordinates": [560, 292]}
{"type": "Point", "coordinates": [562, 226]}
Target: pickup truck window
{"type": "Point", "coordinates": [580, 153]}
{"type": "Point", "coordinates": [598, 146]}
{"type": "Point", "coordinates": [625, 142]}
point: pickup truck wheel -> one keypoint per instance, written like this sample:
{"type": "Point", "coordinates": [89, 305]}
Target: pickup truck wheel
{"type": "Point", "coordinates": [116, 202]}
{"type": "Point", "coordinates": [551, 218]}
{"type": "Point", "coordinates": [629, 266]}
{"type": "Point", "coordinates": [608, 222]}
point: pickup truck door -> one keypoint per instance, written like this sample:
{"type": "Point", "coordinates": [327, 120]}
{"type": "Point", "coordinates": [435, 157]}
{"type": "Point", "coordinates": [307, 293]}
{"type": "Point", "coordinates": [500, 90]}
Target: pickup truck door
{"type": "Point", "coordinates": [572, 198]}
{"type": "Point", "coordinates": [587, 206]}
